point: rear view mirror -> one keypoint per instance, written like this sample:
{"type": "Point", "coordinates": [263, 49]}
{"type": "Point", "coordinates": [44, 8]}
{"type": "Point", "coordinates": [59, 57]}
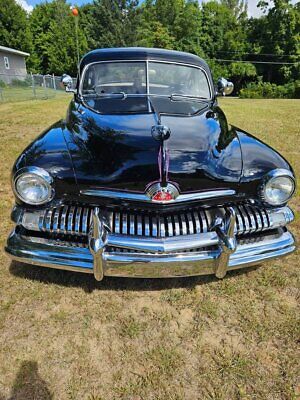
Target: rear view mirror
{"type": "Point", "coordinates": [67, 82]}
{"type": "Point", "coordinates": [224, 87]}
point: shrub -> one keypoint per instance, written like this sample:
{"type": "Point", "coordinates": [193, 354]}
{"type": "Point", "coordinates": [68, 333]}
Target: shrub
{"type": "Point", "coordinates": [2, 84]}
{"type": "Point", "coordinates": [21, 82]}
{"type": "Point", "coordinates": [267, 90]}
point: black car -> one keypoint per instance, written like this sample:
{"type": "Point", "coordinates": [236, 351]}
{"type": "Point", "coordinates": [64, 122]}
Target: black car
{"type": "Point", "coordinates": [145, 177]}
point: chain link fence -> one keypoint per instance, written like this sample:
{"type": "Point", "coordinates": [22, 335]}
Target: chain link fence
{"type": "Point", "coordinates": [30, 87]}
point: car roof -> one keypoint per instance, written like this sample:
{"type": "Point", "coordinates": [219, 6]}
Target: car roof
{"type": "Point", "coordinates": [142, 53]}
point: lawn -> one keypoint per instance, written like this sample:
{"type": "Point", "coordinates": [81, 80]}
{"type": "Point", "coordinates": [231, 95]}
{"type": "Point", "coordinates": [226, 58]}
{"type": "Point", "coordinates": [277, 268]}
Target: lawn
{"type": "Point", "coordinates": [14, 94]}
{"type": "Point", "coordinates": [65, 336]}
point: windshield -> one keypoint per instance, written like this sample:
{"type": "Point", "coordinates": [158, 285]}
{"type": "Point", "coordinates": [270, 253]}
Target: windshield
{"type": "Point", "coordinates": [168, 79]}
{"type": "Point", "coordinates": [115, 77]}
{"type": "Point", "coordinates": [124, 86]}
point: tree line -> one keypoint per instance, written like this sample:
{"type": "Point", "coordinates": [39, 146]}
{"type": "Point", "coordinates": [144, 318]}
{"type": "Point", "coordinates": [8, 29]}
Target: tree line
{"type": "Point", "coordinates": [241, 48]}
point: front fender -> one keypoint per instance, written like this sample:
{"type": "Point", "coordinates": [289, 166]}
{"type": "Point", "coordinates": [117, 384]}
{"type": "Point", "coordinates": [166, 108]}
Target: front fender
{"type": "Point", "coordinates": [50, 152]}
{"type": "Point", "coordinates": [258, 159]}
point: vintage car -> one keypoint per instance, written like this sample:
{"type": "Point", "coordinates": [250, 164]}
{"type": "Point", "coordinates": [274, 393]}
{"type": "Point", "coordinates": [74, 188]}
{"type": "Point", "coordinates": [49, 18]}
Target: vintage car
{"type": "Point", "coordinates": [146, 178]}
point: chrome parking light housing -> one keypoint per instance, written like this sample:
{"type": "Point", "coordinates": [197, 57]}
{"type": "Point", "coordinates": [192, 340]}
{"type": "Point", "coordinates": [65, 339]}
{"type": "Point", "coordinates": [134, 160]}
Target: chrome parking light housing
{"type": "Point", "coordinates": [278, 187]}
{"type": "Point", "coordinates": [33, 185]}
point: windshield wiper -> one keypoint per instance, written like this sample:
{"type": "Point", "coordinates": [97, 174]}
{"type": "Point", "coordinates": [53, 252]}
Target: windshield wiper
{"type": "Point", "coordinates": [117, 95]}
{"type": "Point", "coordinates": [181, 97]}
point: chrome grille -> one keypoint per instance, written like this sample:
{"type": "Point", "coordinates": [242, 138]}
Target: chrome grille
{"type": "Point", "coordinates": [147, 224]}
{"type": "Point", "coordinates": [76, 220]}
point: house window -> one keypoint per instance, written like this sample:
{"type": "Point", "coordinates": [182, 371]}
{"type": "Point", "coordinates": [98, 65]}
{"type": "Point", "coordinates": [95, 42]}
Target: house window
{"type": "Point", "coordinates": [6, 62]}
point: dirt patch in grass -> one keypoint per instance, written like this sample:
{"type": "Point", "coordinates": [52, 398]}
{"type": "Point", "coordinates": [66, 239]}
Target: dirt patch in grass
{"type": "Point", "coordinates": [65, 336]}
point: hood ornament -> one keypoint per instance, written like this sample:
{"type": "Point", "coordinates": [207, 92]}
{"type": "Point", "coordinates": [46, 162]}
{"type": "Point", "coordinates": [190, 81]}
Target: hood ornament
{"type": "Point", "coordinates": [162, 194]}
{"type": "Point", "coordinates": [160, 132]}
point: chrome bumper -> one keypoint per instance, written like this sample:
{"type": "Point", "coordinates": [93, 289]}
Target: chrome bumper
{"type": "Point", "coordinates": [152, 257]}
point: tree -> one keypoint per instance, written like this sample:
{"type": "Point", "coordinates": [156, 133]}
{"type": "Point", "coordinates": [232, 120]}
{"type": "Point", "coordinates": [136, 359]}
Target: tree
{"type": "Point", "coordinates": [186, 28]}
{"type": "Point", "coordinates": [54, 38]}
{"type": "Point", "coordinates": [150, 32]}
{"type": "Point", "coordinates": [240, 73]}
{"type": "Point", "coordinates": [171, 24]}
{"type": "Point", "coordinates": [277, 33]}
{"type": "Point", "coordinates": [238, 7]}
{"type": "Point", "coordinates": [14, 27]}
{"type": "Point", "coordinates": [155, 35]}
{"type": "Point", "coordinates": [111, 23]}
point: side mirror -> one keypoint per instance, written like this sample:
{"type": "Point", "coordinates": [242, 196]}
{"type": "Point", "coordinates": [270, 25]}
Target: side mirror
{"type": "Point", "coordinates": [224, 87]}
{"type": "Point", "coordinates": [67, 82]}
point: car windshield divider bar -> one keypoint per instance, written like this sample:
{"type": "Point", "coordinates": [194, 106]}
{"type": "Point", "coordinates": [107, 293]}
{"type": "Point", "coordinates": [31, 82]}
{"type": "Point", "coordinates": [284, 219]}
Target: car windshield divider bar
{"type": "Point", "coordinates": [144, 198]}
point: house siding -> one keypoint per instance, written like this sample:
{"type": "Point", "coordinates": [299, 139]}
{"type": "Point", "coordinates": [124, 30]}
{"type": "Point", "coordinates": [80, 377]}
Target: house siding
{"type": "Point", "coordinates": [17, 67]}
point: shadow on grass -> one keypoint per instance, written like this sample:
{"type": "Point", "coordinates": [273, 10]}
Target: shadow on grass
{"type": "Point", "coordinates": [89, 284]}
{"type": "Point", "coordinates": [28, 384]}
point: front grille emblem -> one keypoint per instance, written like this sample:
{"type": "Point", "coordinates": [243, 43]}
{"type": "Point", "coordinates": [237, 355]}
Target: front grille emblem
{"type": "Point", "coordinates": [162, 194]}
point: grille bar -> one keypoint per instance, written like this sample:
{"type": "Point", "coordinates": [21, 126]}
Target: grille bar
{"type": "Point", "coordinates": [77, 220]}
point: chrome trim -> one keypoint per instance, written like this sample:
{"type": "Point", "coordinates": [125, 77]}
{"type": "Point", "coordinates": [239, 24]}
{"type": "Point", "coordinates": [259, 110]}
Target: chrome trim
{"type": "Point", "coordinates": [147, 226]}
{"type": "Point", "coordinates": [143, 197]}
{"type": "Point", "coordinates": [55, 220]}
{"type": "Point", "coordinates": [164, 244]}
{"type": "Point", "coordinates": [85, 221]}
{"type": "Point", "coordinates": [51, 254]}
{"type": "Point", "coordinates": [275, 173]}
{"type": "Point", "coordinates": [156, 187]}
{"type": "Point", "coordinates": [63, 227]}
{"type": "Point", "coordinates": [77, 220]}
{"type": "Point", "coordinates": [228, 242]}
{"type": "Point", "coordinates": [40, 172]}
{"type": "Point", "coordinates": [145, 223]}
{"type": "Point", "coordinates": [97, 243]}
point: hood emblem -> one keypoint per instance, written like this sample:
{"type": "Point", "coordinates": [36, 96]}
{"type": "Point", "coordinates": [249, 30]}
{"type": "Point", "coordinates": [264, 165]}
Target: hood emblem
{"type": "Point", "coordinates": [162, 194]}
{"type": "Point", "coordinates": [160, 132]}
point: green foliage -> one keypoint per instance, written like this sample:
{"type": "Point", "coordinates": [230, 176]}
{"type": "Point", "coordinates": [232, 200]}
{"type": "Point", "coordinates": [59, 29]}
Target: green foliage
{"type": "Point", "coordinates": [278, 33]}
{"type": "Point", "coordinates": [269, 90]}
{"type": "Point", "coordinates": [155, 35]}
{"type": "Point", "coordinates": [110, 23]}
{"type": "Point", "coordinates": [14, 28]}
{"type": "Point", "coordinates": [218, 70]}
{"type": "Point", "coordinates": [240, 73]}
{"type": "Point", "coordinates": [21, 82]}
{"type": "Point", "coordinates": [2, 84]}
{"type": "Point", "coordinates": [54, 38]}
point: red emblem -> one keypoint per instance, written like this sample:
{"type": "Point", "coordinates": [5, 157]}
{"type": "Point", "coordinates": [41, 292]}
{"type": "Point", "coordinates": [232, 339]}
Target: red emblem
{"type": "Point", "coordinates": [162, 196]}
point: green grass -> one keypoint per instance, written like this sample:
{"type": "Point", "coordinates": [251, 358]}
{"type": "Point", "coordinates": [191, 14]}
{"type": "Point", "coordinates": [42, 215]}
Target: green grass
{"type": "Point", "coordinates": [65, 336]}
{"type": "Point", "coordinates": [17, 94]}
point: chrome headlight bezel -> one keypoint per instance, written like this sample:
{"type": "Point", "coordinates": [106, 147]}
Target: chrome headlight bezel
{"type": "Point", "coordinates": [39, 173]}
{"type": "Point", "coordinates": [271, 177]}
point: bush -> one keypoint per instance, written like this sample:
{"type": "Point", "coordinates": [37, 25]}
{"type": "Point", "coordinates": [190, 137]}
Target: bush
{"type": "Point", "coordinates": [2, 84]}
{"type": "Point", "coordinates": [267, 90]}
{"type": "Point", "coordinates": [21, 82]}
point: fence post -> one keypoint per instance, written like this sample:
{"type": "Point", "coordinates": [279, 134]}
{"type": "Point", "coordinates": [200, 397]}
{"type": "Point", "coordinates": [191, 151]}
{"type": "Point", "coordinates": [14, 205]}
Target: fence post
{"type": "Point", "coordinates": [45, 87]}
{"type": "Point", "coordinates": [33, 86]}
{"type": "Point", "coordinates": [54, 83]}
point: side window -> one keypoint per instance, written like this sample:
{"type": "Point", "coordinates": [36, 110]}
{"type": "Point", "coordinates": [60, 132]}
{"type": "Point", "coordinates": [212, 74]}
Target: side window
{"type": "Point", "coordinates": [6, 62]}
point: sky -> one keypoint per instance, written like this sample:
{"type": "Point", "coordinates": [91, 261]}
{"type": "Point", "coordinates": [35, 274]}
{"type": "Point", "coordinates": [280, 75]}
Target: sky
{"type": "Point", "coordinates": [28, 5]}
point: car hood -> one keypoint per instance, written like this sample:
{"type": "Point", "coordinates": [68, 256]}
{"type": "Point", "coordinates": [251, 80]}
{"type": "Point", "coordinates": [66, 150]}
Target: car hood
{"type": "Point", "coordinates": [119, 152]}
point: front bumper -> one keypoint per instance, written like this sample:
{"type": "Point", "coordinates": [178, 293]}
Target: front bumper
{"type": "Point", "coordinates": [217, 256]}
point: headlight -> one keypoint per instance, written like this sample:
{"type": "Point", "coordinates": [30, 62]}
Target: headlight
{"type": "Point", "coordinates": [33, 185]}
{"type": "Point", "coordinates": [278, 187]}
